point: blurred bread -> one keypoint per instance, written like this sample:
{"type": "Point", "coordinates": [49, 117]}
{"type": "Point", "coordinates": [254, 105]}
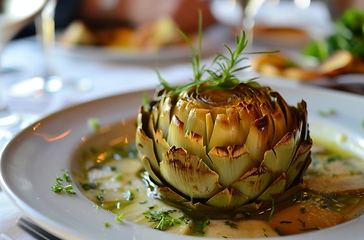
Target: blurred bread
{"type": "Point", "coordinates": [154, 35]}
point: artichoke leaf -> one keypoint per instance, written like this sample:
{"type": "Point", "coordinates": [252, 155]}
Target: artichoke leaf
{"type": "Point", "coordinates": [230, 163]}
{"type": "Point", "coordinates": [209, 127]}
{"type": "Point", "coordinates": [196, 122]}
{"type": "Point", "coordinates": [279, 159]}
{"type": "Point", "coordinates": [201, 207]}
{"type": "Point", "coordinates": [254, 182]}
{"type": "Point", "coordinates": [189, 174]}
{"type": "Point", "coordinates": [192, 143]}
{"type": "Point", "coordinates": [250, 207]}
{"type": "Point", "coordinates": [154, 117]}
{"type": "Point", "coordinates": [147, 166]}
{"type": "Point", "coordinates": [301, 161]}
{"type": "Point", "coordinates": [274, 190]}
{"type": "Point", "coordinates": [164, 115]}
{"type": "Point", "coordinates": [228, 200]}
{"type": "Point", "coordinates": [259, 137]}
{"type": "Point", "coordinates": [289, 116]}
{"type": "Point", "coordinates": [143, 119]}
{"type": "Point", "coordinates": [289, 193]}
{"type": "Point", "coordinates": [170, 195]}
{"type": "Point", "coordinates": [227, 130]}
{"type": "Point", "coordinates": [145, 147]}
{"type": "Point", "coordinates": [247, 114]}
{"type": "Point", "coordinates": [280, 127]}
{"type": "Point", "coordinates": [182, 110]}
{"type": "Point", "coordinates": [161, 145]}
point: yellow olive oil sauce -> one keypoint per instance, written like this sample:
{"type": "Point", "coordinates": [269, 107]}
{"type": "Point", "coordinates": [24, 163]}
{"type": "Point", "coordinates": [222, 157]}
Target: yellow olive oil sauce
{"type": "Point", "coordinates": [334, 185]}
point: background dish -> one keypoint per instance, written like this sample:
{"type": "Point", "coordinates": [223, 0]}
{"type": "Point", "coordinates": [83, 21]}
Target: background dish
{"type": "Point", "coordinates": [212, 41]}
{"type": "Point", "coordinates": [31, 161]}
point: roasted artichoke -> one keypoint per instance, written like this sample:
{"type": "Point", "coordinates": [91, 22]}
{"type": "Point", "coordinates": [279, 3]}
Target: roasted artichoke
{"type": "Point", "coordinates": [223, 149]}
{"type": "Point", "coordinates": [221, 144]}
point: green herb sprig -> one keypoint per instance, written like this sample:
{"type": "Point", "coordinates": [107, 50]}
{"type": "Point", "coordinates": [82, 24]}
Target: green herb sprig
{"type": "Point", "coordinates": [163, 218]}
{"type": "Point", "coordinates": [119, 218]}
{"type": "Point", "coordinates": [58, 187]}
{"type": "Point", "coordinates": [221, 78]}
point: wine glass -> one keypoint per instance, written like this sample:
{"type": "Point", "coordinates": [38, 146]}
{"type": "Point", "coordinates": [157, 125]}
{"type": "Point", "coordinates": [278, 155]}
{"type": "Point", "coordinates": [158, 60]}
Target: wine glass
{"type": "Point", "coordinates": [50, 81]}
{"type": "Point", "coordinates": [237, 14]}
{"type": "Point", "coordinates": [14, 15]}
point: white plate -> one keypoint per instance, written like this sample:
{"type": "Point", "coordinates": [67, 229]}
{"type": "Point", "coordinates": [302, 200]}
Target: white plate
{"type": "Point", "coordinates": [31, 161]}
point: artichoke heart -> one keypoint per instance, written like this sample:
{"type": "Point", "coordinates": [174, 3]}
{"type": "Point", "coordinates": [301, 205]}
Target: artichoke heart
{"type": "Point", "coordinates": [224, 150]}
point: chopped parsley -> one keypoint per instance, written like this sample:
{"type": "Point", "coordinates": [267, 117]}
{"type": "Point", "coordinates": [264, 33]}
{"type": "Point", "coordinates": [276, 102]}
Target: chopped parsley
{"type": "Point", "coordinates": [163, 218]}
{"type": "Point", "coordinates": [309, 229]}
{"type": "Point", "coordinates": [199, 226]}
{"type": "Point", "coordinates": [326, 113]}
{"type": "Point", "coordinates": [94, 123]}
{"type": "Point", "coordinates": [106, 224]}
{"type": "Point", "coordinates": [303, 222]}
{"type": "Point", "coordinates": [58, 187]}
{"type": "Point", "coordinates": [303, 210]}
{"type": "Point", "coordinates": [117, 177]}
{"type": "Point", "coordinates": [119, 218]}
{"type": "Point", "coordinates": [272, 210]}
{"type": "Point", "coordinates": [89, 186]}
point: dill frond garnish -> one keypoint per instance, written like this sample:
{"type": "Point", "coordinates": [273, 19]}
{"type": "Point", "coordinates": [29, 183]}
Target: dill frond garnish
{"type": "Point", "coordinates": [221, 74]}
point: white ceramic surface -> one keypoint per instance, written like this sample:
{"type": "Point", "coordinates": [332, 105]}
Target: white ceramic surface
{"type": "Point", "coordinates": [31, 161]}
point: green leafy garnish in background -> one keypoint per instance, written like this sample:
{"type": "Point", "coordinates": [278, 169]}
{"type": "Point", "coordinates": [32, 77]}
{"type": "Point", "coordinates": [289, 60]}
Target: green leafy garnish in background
{"type": "Point", "coordinates": [348, 35]}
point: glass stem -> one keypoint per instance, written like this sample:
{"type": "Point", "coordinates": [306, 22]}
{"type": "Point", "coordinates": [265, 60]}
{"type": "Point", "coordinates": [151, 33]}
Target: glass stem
{"type": "Point", "coordinates": [45, 28]}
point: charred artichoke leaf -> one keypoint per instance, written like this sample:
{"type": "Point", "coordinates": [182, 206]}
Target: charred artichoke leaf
{"type": "Point", "coordinates": [279, 158]}
{"type": "Point", "coordinates": [145, 121]}
{"type": "Point", "coordinates": [300, 162]}
{"type": "Point", "coordinates": [189, 174]}
{"type": "Point", "coordinates": [161, 145]}
{"type": "Point", "coordinates": [145, 147]}
{"type": "Point", "coordinates": [196, 122]}
{"type": "Point", "coordinates": [182, 109]}
{"type": "Point", "coordinates": [228, 200]}
{"type": "Point", "coordinates": [209, 127]}
{"type": "Point", "coordinates": [164, 115]}
{"type": "Point", "coordinates": [274, 190]}
{"type": "Point", "coordinates": [226, 131]}
{"type": "Point", "coordinates": [250, 207]}
{"type": "Point", "coordinates": [254, 182]}
{"type": "Point", "coordinates": [280, 125]}
{"type": "Point", "coordinates": [170, 195]}
{"type": "Point", "coordinates": [259, 137]}
{"type": "Point", "coordinates": [230, 163]}
{"type": "Point", "coordinates": [191, 143]}
{"type": "Point", "coordinates": [247, 114]}
{"type": "Point", "coordinates": [289, 116]}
